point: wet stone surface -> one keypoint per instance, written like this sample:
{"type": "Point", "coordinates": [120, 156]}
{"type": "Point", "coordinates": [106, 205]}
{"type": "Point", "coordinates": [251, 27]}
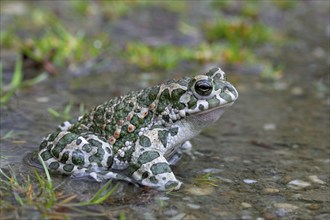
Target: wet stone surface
{"type": "Point", "coordinates": [268, 155]}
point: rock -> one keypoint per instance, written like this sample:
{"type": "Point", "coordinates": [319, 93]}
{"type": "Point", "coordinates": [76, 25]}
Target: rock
{"type": "Point", "coordinates": [297, 196]}
{"type": "Point", "coordinates": [271, 190]}
{"type": "Point", "coordinates": [319, 52]}
{"type": "Point", "coordinates": [270, 216]}
{"type": "Point", "coordinates": [172, 211]}
{"type": "Point", "coordinates": [297, 91]}
{"type": "Point", "coordinates": [246, 205]}
{"type": "Point", "coordinates": [226, 180]}
{"type": "Point", "coordinates": [190, 217]}
{"type": "Point", "coordinates": [212, 170]}
{"type": "Point", "coordinates": [42, 99]}
{"type": "Point", "coordinates": [200, 191]}
{"type": "Point", "coordinates": [193, 206]}
{"type": "Point", "coordinates": [325, 216]}
{"type": "Point", "coordinates": [269, 127]}
{"type": "Point", "coordinates": [178, 216]}
{"type": "Point", "coordinates": [246, 215]}
{"type": "Point", "coordinates": [298, 184]}
{"type": "Point", "coordinates": [249, 181]}
{"type": "Point", "coordinates": [315, 179]}
{"type": "Point", "coordinates": [284, 208]}
{"type": "Point", "coordinates": [313, 206]}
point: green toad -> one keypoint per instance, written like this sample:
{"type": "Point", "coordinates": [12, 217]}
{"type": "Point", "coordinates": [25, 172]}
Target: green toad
{"type": "Point", "coordinates": [138, 136]}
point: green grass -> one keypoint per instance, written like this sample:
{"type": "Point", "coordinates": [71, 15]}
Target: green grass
{"type": "Point", "coordinates": [9, 135]}
{"type": "Point", "coordinates": [206, 179]}
{"type": "Point", "coordinates": [42, 196]}
{"type": "Point", "coordinates": [230, 37]}
{"type": "Point", "coordinates": [239, 31]}
{"type": "Point", "coordinates": [58, 46]}
{"type": "Point", "coordinates": [48, 41]}
{"type": "Point", "coordinates": [66, 113]}
{"type": "Point", "coordinates": [149, 57]}
{"type": "Point", "coordinates": [167, 57]}
{"type": "Point", "coordinates": [17, 82]}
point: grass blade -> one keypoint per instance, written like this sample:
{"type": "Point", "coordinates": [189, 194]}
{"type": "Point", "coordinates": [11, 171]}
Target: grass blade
{"type": "Point", "coordinates": [99, 192]}
{"type": "Point", "coordinates": [101, 199]}
{"type": "Point", "coordinates": [49, 180]}
{"type": "Point", "coordinates": [18, 75]}
{"type": "Point", "coordinates": [19, 199]}
{"type": "Point", "coordinates": [3, 173]}
{"type": "Point", "coordinates": [38, 178]}
{"type": "Point", "coordinates": [53, 112]}
{"type": "Point", "coordinates": [1, 77]}
{"type": "Point", "coordinates": [35, 80]}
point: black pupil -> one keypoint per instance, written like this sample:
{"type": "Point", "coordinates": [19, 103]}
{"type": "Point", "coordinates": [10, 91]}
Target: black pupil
{"type": "Point", "coordinates": [203, 87]}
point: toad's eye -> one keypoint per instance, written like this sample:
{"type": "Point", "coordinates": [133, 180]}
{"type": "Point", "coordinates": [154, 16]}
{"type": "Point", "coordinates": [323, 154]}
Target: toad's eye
{"type": "Point", "coordinates": [203, 87]}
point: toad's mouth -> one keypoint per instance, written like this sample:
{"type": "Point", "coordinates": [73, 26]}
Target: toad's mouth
{"type": "Point", "coordinates": [226, 105]}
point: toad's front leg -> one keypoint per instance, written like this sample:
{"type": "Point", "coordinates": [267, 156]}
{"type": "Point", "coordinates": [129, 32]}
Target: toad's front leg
{"type": "Point", "coordinates": [150, 168]}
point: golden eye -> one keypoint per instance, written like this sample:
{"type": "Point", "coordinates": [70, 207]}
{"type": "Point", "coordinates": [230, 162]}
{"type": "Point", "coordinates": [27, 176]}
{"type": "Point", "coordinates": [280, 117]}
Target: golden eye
{"type": "Point", "coordinates": [203, 87]}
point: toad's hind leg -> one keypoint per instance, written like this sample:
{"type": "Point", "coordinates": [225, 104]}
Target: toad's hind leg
{"type": "Point", "coordinates": [77, 155]}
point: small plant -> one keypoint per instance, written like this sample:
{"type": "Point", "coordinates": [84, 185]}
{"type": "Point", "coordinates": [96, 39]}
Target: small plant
{"type": "Point", "coordinates": [285, 4]}
{"type": "Point", "coordinates": [57, 45]}
{"type": "Point", "coordinates": [44, 197]}
{"type": "Point", "coordinates": [161, 57]}
{"type": "Point", "coordinates": [66, 113]}
{"type": "Point", "coordinates": [270, 73]}
{"type": "Point", "coordinates": [168, 57]}
{"type": "Point", "coordinates": [206, 179]}
{"type": "Point", "coordinates": [238, 31]}
{"type": "Point", "coordinates": [8, 135]}
{"type": "Point", "coordinates": [17, 82]}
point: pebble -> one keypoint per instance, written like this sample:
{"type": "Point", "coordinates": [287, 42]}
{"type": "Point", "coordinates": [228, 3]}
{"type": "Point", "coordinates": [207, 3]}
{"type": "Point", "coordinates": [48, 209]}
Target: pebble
{"type": "Point", "coordinates": [295, 146]}
{"type": "Point", "coordinates": [42, 99]}
{"type": "Point", "coordinates": [246, 215]}
{"type": "Point", "coordinates": [326, 161]}
{"type": "Point", "coordinates": [171, 211]}
{"type": "Point", "coordinates": [269, 127]}
{"type": "Point", "coordinates": [319, 52]}
{"type": "Point", "coordinates": [212, 170]}
{"type": "Point", "coordinates": [249, 181]}
{"type": "Point", "coordinates": [270, 216]}
{"type": "Point", "coordinates": [297, 91]}
{"type": "Point", "coordinates": [280, 86]}
{"type": "Point", "coordinates": [298, 196]}
{"type": "Point", "coordinates": [163, 198]}
{"type": "Point", "coordinates": [284, 208]}
{"type": "Point", "coordinates": [178, 216]}
{"type": "Point", "coordinates": [231, 159]}
{"type": "Point", "coordinates": [246, 205]}
{"type": "Point", "coordinates": [298, 184]}
{"type": "Point", "coordinates": [226, 180]}
{"type": "Point", "coordinates": [200, 191]}
{"type": "Point", "coordinates": [190, 217]}
{"type": "Point", "coordinates": [313, 206]}
{"type": "Point", "coordinates": [325, 216]}
{"type": "Point", "coordinates": [271, 190]}
{"type": "Point", "coordinates": [193, 206]}
{"type": "Point", "coordinates": [315, 179]}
